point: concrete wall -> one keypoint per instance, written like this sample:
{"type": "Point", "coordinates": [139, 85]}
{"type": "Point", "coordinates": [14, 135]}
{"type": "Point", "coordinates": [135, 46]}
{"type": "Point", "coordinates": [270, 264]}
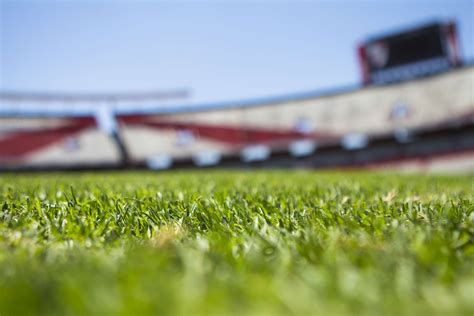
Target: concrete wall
{"type": "Point", "coordinates": [429, 102]}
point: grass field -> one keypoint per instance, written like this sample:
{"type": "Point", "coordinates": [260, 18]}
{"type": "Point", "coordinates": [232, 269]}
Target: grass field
{"type": "Point", "coordinates": [222, 242]}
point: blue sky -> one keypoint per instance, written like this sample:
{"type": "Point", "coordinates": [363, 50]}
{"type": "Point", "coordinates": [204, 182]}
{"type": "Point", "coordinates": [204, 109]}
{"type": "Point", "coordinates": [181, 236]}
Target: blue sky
{"type": "Point", "coordinates": [221, 50]}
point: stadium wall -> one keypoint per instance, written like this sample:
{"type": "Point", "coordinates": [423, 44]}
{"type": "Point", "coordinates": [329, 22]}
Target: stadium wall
{"type": "Point", "coordinates": [432, 103]}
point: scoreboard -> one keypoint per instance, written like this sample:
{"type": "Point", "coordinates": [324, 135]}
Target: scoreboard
{"type": "Point", "coordinates": [413, 53]}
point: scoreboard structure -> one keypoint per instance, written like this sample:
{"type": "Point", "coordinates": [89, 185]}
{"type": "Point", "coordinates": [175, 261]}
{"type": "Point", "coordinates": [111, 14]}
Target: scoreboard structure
{"type": "Point", "coordinates": [417, 52]}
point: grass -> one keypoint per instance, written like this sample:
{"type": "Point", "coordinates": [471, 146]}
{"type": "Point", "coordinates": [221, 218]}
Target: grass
{"type": "Point", "coordinates": [221, 242]}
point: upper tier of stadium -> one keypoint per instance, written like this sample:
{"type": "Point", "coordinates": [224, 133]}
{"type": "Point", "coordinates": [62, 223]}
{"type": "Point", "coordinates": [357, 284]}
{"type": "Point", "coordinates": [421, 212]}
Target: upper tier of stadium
{"type": "Point", "coordinates": [27, 104]}
{"type": "Point", "coordinates": [74, 135]}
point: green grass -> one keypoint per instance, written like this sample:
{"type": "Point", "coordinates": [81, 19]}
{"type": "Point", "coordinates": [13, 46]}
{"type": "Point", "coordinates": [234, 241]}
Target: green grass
{"type": "Point", "coordinates": [290, 243]}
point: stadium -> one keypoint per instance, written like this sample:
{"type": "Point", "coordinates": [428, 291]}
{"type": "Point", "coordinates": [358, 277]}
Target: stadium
{"type": "Point", "coordinates": [415, 112]}
{"type": "Point", "coordinates": [354, 200]}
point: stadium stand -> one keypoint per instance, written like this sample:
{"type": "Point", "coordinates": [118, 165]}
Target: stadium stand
{"type": "Point", "coordinates": [427, 116]}
{"type": "Point", "coordinates": [326, 119]}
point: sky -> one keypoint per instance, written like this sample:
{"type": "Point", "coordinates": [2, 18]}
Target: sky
{"type": "Point", "coordinates": [221, 51]}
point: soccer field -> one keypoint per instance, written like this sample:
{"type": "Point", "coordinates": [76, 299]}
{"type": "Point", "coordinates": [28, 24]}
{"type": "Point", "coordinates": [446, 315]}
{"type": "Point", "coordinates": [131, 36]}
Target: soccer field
{"type": "Point", "coordinates": [235, 242]}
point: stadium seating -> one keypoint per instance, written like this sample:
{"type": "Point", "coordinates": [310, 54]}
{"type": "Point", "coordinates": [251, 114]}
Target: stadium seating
{"type": "Point", "coordinates": [204, 132]}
